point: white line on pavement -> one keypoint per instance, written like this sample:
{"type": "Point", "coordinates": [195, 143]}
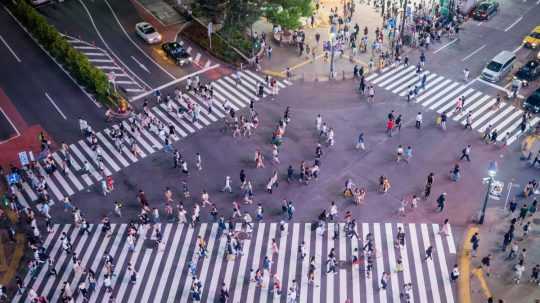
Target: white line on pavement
{"type": "Point", "coordinates": [10, 49]}
{"type": "Point", "coordinates": [10, 122]}
{"type": "Point", "coordinates": [55, 106]}
{"type": "Point", "coordinates": [140, 64]}
{"type": "Point", "coordinates": [135, 44]}
{"type": "Point", "coordinates": [519, 47]}
{"type": "Point", "coordinates": [492, 85]}
{"type": "Point", "coordinates": [175, 81]}
{"type": "Point", "coordinates": [445, 46]}
{"type": "Point", "coordinates": [512, 25]}
{"type": "Point", "coordinates": [472, 54]}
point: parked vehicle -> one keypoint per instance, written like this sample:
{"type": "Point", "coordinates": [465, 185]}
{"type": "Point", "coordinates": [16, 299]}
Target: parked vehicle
{"type": "Point", "coordinates": [499, 66]}
{"type": "Point", "coordinates": [529, 72]}
{"type": "Point", "coordinates": [532, 40]}
{"type": "Point", "coordinates": [147, 32]}
{"type": "Point", "coordinates": [532, 103]}
{"type": "Point", "coordinates": [484, 10]}
{"type": "Point", "coordinates": [176, 52]}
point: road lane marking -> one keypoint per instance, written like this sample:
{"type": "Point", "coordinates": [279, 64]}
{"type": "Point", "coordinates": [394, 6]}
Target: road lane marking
{"type": "Point", "coordinates": [10, 122]}
{"type": "Point", "coordinates": [519, 47]}
{"type": "Point", "coordinates": [512, 25]}
{"type": "Point", "coordinates": [445, 46]}
{"type": "Point", "coordinates": [173, 82]}
{"type": "Point", "coordinates": [140, 64]}
{"type": "Point", "coordinates": [135, 44]}
{"type": "Point", "coordinates": [107, 45]}
{"type": "Point", "coordinates": [472, 54]}
{"type": "Point", "coordinates": [56, 106]}
{"type": "Point", "coordinates": [10, 49]}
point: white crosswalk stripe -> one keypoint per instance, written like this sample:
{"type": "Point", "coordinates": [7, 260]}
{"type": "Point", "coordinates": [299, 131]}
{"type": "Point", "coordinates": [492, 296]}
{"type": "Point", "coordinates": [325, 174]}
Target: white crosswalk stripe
{"type": "Point", "coordinates": [163, 272]}
{"type": "Point", "coordinates": [440, 94]}
{"type": "Point", "coordinates": [77, 179]}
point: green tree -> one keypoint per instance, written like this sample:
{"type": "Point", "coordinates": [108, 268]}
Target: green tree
{"type": "Point", "coordinates": [241, 14]}
{"type": "Point", "coordinates": [287, 13]}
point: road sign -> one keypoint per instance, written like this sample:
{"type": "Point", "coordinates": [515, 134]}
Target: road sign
{"type": "Point", "coordinates": [13, 178]}
{"type": "Point", "coordinates": [496, 190]}
{"type": "Point", "coordinates": [23, 157]}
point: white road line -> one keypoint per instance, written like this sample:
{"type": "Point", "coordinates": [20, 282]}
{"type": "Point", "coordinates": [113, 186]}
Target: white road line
{"type": "Point", "coordinates": [126, 82]}
{"type": "Point", "coordinates": [303, 284]}
{"type": "Point", "coordinates": [393, 76]}
{"type": "Point", "coordinates": [29, 191]}
{"type": "Point", "coordinates": [10, 122]}
{"type": "Point", "coordinates": [441, 93]}
{"type": "Point", "coordinates": [63, 182]}
{"type": "Point", "coordinates": [187, 283]}
{"type": "Point", "coordinates": [369, 280]}
{"type": "Point", "coordinates": [405, 73]}
{"type": "Point", "coordinates": [56, 106]}
{"type": "Point", "coordinates": [342, 259]}
{"type": "Point", "coordinates": [293, 259]}
{"type": "Point", "coordinates": [390, 248]}
{"type": "Point", "coordinates": [252, 81]}
{"type": "Point", "coordinates": [112, 149]}
{"type": "Point", "coordinates": [52, 254]}
{"type": "Point", "coordinates": [173, 290]}
{"type": "Point", "coordinates": [380, 263]}
{"type": "Point", "coordinates": [519, 47]}
{"type": "Point", "coordinates": [100, 60]}
{"type": "Point", "coordinates": [428, 86]}
{"type": "Point", "coordinates": [405, 258]}
{"type": "Point", "coordinates": [500, 115]}
{"type": "Point", "coordinates": [51, 184]}
{"type": "Point", "coordinates": [374, 75]}
{"type": "Point", "coordinates": [445, 46]}
{"type": "Point", "coordinates": [448, 105]}
{"type": "Point", "coordinates": [330, 284]}
{"type": "Point", "coordinates": [510, 118]}
{"type": "Point", "coordinates": [516, 135]}
{"type": "Point", "coordinates": [150, 137]}
{"type": "Point", "coordinates": [152, 277]}
{"type": "Point", "coordinates": [126, 151]}
{"type": "Point", "coordinates": [452, 94]}
{"type": "Point", "coordinates": [140, 64]}
{"type": "Point", "coordinates": [444, 266]}
{"type": "Point", "coordinates": [479, 111]}
{"type": "Point", "coordinates": [216, 110]}
{"type": "Point", "coordinates": [450, 241]}
{"type": "Point", "coordinates": [356, 269]}
{"type": "Point", "coordinates": [141, 141]}
{"type": "Point", "coordinates": [169, 261]}
{"type": "Point", "coordinates": [222, 100]}
{"type": "Point", "coordinates": [10, 49]}
{"type": "Point", "coordinates": [92, 156]}
{"type": "Point", "coordinates": [20, 198]}
{"type": "Point", "coordinates": [135, 44]}
{"type": "Point", "coordinates": [206, 261]}
{"type": "Point", "coordinates": [230, 82]}
{"type": "Point", "coordinates": [492, 85]}
{"type": "Point", "coordinates": [71, 175]}
{"type": "Point", "coordinates": [469, 107]}
{"type": "Point", "coordinates": [418, 261]}
{"type": "Point", "coordinates": [319, 268]}
{"type": "Point", "coordinates": [388, 74]}
{"type": "Point", "coordinates": [254, 266]}
{"type": "Point", "coordinates": [404, 87]}
{"type": "Point", "coordinates": [430, 266]}
{"type": "Point", "coordinates": [281, 257]}
{"type": "Point", "coordinates": [266, 278]}
{"type": "Point", "coordinates": [84, 47]}
{"type": "Point", "coordinates": [95, 54]}
{"type": "Point", "coordinates": [227, 279]}
{"type": "Point", "coordinates": [108, 67]}
{"type": "Point", "coordinates": [406, 78]}
{"type": "Point", "coordinates": [472, 54]}
{"type": "Point", "coordinates": [513, 24]}
{"type": "Point", "coordinates": [173, 82]}
{"type": "Point", "coordinates": [181, 121]}
{"type": "Point", "coordinates": [107, 158]}
{"type": "Point", "coordinates": [220, 92]}
{"type": "Point", "coordinates": [243, 277]}
{"type": "Point", "coordinates": [208, 63]}
{"type": "Point", "coordinates": [428, 93]}
{"type": "Point", "coordinates": [214, 278]}
{"type": "Point", "coordinates": [134, 90]}
{"type": "Point", "coordinates": [254, 75]}
{"type": "Point", "coordinates": [169, 122]}
{"type": "Point", "coordinates": [232, 90]}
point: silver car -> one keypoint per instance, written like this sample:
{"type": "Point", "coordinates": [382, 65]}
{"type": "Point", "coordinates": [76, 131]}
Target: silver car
{"type": "Point", "coordinates": [147, 32]}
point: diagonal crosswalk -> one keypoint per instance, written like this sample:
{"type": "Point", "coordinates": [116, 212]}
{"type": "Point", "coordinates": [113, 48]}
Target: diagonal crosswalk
{"type": "Point", "coordinates": [102, 60]}
{"type": "Point", "coordinates": [82, 156]}
{"type": "Point", "coordinates": [440, 94]}
{"type": "Point", "coordinates": [163, 274]}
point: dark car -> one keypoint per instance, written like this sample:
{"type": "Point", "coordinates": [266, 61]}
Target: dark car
{"type": "Point", "coordinates": [529, 72]}
{"type": "Point", "coordinates": [176, 52]}
{"type": "Point", "coordinates": [532, 103]}
{"type": "Point", "coordinates": [484, 10]}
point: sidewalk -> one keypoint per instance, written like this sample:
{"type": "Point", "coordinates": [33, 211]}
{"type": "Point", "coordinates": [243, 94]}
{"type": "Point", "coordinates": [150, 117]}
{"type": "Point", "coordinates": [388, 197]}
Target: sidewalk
{"type": "Point", "coordinates": [499, 284]}
{"type": "Point", "coordinates": [319, 69]}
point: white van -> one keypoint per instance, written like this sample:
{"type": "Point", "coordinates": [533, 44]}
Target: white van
{"type": "Point", "coordinates": [499, 66]}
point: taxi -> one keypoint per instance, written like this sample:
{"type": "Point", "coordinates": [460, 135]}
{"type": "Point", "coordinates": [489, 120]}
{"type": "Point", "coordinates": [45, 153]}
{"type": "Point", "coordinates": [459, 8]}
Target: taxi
{"type": "Point", "coordinates": [533, 39]}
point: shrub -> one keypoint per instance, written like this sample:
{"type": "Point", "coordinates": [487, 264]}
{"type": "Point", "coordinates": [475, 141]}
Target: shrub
{"type": "Point", "coordinates": [75, 62]}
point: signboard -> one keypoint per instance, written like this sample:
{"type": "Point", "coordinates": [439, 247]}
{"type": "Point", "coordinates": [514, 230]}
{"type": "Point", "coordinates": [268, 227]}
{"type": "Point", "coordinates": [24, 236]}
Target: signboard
{"type": "Point", "coordinates": [496, 190]}
{"type": "Point", "coordinates": [391, 23]}
{"type": "Point", "coordinates": [23, 158]}
{"type": "Point", "coordinates": [13, 178]}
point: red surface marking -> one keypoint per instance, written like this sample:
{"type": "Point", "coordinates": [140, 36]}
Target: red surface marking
{"type": "Point", "coordinates": [11, 111]}
{"type": "Point", "coordinates": [168, 32]}
{"type": "Point", "coordinates": [27, 141]}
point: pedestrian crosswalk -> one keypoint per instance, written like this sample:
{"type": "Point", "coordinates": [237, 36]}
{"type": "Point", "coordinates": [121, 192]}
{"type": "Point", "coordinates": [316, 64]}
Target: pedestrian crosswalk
{"type": "Point", "coordinates": [78, 178]}
{"type": "Point", "coordinates": [102, 60]}
{"type": "Point", "coordinates": [198, 59]}
{"type": "Point", "coordinates": [163, 274]}
{"type": "Point", "coordinates": [440, 94]}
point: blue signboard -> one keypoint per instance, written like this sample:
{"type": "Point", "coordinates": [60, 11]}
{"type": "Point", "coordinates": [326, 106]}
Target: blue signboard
{"type": "Point", "coordinates": [13, 178]}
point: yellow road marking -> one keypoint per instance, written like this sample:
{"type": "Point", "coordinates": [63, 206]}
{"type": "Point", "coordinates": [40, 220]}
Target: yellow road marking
{"type": "Point", "coordinates": [8, 275]}
{"type": "Point", "coordinates": [464, 281]}
{"type": "Point", "coordinates": [479, 273]}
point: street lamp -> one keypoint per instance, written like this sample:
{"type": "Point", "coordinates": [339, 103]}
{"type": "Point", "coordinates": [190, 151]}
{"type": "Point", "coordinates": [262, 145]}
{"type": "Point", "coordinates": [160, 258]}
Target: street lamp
{"type": "Point", "coordinates": [492, 171]}
{"type": "Point", "coordinates": [332, 50]}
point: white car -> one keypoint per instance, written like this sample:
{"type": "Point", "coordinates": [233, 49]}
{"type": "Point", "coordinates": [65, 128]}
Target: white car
{"type": "Point", "coordinates": [147, 32]}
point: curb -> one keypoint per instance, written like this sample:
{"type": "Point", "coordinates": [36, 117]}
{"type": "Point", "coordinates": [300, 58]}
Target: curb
{"type": "Point", "coordinates": [464, 263]}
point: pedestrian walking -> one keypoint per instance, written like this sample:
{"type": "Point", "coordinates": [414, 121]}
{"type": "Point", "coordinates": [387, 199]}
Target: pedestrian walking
{"type": "Point", "coordinates": [475, 241]}
{"type": "Point", "coordinates": [429, 253]}
{"type": "Point", "coordinates": [466, 75]}
{"type": "Point", "coordinates": [360, 144]}
{"type": "Point", "coordinates": [441, 201]}
{"type": "Point", "coordinates": [519, 268]}
{"type": "Point", "coordinates": [419, 119]}
{"type": "Point", "coordinates": [486, 262]}
{"type": "Point", "coordinates": [466, 153]}
{"type": "Point", "coordinates": [454, 274]}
